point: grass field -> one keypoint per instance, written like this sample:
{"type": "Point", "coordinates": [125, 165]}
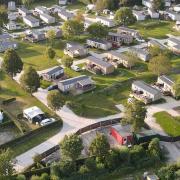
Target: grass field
{"type": "Point", "coordinates": [170, 124]}
{"type": "Point", "coordinates": [155, 28]}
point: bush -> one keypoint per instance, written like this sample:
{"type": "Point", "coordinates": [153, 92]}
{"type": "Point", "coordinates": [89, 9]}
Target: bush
{"type": "Point", "coordinates": [67, 168]}
{"type": "Point", "coordinates": [45, 84]}
{"type": "Point", "coordinates": [83, 170]}
{"type": "Point", "coordinates": [20, 177]}
{"type": "Point", "coordinates": [45, 176]}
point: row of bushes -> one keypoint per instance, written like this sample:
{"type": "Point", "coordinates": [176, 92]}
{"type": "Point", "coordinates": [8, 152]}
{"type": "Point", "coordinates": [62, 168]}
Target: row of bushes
{"type": "Point", "coordinates": [30, 134]}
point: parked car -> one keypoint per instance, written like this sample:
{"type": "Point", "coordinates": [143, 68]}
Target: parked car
{"type": "Point", "coordinates": [75, 68]}
{"type": "Point", "coordinates": [47, 121]}
{"type": "Point", "coordinates": [52, 87]}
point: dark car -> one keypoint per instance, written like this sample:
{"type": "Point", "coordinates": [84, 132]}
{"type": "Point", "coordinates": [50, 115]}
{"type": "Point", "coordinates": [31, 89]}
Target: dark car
{"type": "Point", "coordinates": [52, 87]}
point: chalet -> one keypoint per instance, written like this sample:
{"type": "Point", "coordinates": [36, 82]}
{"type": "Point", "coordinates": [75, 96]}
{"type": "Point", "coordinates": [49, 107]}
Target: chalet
{"type": "Point", "coordinates": [34, 114]}
{"type": "Point", "coordinates": [12, 26]}
{"type": "Point", "coordinates": [122, 134]}
{"type": "Point", "coordinates": [140, 15]}
{"type": "Point", "coordinates": [41, 10]}
{"type": "Point", "coordinates": [31, 21]}
{"type": "Point", "coordinates": [177, 26]}
{"type": "Point", "coordinates": [149, 3]}
{"type": "Point", "coordinates": [105, 21]}
{"type": "Point", "coordinates": [176, 8]}
{"type": "Point", "coordinates": [99, 44]}
{"type": "Point", "coordinates": [140, 53]}
{"type": "Point", "coordinates": [24, 12]}
{"type": "Point", "coordinates": [154, 43]}
{"type": "Point", "coordinates": [53, 73]}
{"type": "Point", "coordinates": [47, 18]}
{"type": "Point", "coordinates": [63, 2]}
{"type": "Point", "coordinates": [88, 22]}
{"type": "Point", "coordinates": [75, 50]}
{"type": "Point", "coordinates": [174, 45]}
{"type": "Point", "coordinates": [173, 15]}
{"type": "Point", "coordinates": [97, 65]}
{"type": "Point", "coordinates": [4, 45]}
{"type": "Point", "coordinates": [90, 7]}
{"type": "Point", "coordinates": [166, 84]}
{"type": "Point", "coordinates": [119, 38]}
{"type": "Point", "coordinates": [128, 31]}
{"type": "Point", "coordinates": [65, 15]}
{"type": "Point", "coordinates": [118, 59]}
{"type": "Point", "coordinates": [82, 83]}
{"type": "Point", "coordinates": [11, 6]}
{"type": "Point", "coordinates": [12, 16]}
{"type": "Point", "coordinates": [153, 13]}
{"type": "Point", "coordinates": [144, 92]}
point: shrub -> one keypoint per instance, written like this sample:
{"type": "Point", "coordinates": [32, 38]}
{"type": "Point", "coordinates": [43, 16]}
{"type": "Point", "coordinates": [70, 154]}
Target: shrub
{"type": "Point", "coordinates": [20, 177]}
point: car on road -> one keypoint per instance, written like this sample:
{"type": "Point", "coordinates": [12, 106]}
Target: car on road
{"type": "Point", "coordinates": [47, 121]}
{"type": "Point", "coordinates": [52, 87]}
{"type": "Point", "coordinates": [75, 68]}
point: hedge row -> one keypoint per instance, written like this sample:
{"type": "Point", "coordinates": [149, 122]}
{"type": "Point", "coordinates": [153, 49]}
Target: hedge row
{"type": "Point", "coordinates": [30, 134]}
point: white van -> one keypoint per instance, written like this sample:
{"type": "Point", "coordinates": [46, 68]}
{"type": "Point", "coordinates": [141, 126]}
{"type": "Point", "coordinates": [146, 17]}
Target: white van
{"type": "Point", "coordinates": [47, 121]}
{"type": "Point", "coordinates": [75, 68]}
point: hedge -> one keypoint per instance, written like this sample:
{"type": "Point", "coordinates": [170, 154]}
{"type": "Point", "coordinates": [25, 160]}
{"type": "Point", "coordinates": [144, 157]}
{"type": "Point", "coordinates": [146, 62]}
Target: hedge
{"type": "Point", "coordinates": [28, 135]}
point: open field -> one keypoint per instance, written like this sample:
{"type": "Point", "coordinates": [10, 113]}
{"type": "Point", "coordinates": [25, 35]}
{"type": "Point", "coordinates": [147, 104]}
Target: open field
{"type": "Point", "coordinates": [155, 28]}
{"type": "Point", "coordinates": [170, 124]}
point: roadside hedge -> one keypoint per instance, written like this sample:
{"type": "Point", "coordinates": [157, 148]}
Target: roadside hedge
{"type": "Point", "coordinates": [28, 135]}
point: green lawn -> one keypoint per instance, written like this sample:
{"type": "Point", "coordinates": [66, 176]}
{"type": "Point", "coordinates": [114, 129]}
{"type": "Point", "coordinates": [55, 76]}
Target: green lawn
{"type": "Point", "coordinates": [33, 54]}
{"type": "Point", "coordinates": [47, 3]}
{"type": "Point", "coordinates": [155, 28]}
{"type": "Point", "coordinates": [170, 124]}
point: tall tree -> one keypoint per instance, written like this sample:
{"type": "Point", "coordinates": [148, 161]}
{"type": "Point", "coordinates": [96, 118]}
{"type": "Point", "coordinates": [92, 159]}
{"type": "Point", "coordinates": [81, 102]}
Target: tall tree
{"type": "Point", "coordinates": [97, 30]}
{"type": "Point", "coordinates": [55, 100]}
{"type": "Point", "coordinates": [72, 28]}
{"type": "Point", "coordinates": [3, 15]}
{"type": "Point", "coordinates": [79, 16]}
{"type": "Point", "coordinates": [66, 61]}
{"type": "Point", "coordinates": [71, 147]}
{"type": "Point", "coordinates": [158, 4]}
{"type": "Point", "coordinates": [6, 166]}
{"type": "Point", "coordinates": [124, 16]}
{"type": "Point", "coordinates": [50, 53]}
{"type": "Point", "coordinates": [159, 65]}
{"type": "Point", "coordinates": [135, 114]}
{"type": "Point", "coordinates": [100, 147]}
{"type": "Point", "coordinates": [176, 88]}
{"type": "Point", "coordinates": [30, 80]}
{"type": "Point", "coordinates": [51, 35]}
{"type": "Point", "coordinates": [12, 63]}
{"type": "Point", "coordinates": [132, 59]}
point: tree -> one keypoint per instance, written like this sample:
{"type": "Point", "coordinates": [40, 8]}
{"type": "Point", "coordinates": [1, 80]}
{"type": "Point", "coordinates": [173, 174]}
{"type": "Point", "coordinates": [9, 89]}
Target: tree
{"type": "Point", "coordinates": [106, 4]}
{"type": "Point", "coordinates": [159, 65]}
{"type": "Point", "coordinates": [132, 59]}
{"type": "Point", "coordinates": [124, 16]}
{"type": "Point", "coordinates": [6, 166]}
{"type": "Point", "coordinates": [71, 147]}
{"type": "Point", "coordinates": [12, 63]}
{"type": "Point", "coordinates": [3, 15]}
{"type": "Point", "coordinates": [66, 61]}
{"type": "Point", "coordinates": [154, 149]}
{"type": "Point", "coordinates": [45, 176]}
{"type": "Point", "coordinates": [99, 147]}
{"type": "Point", "coordinates": [72, 28]}
{"type": "Point", "coordinates": [158, 4]}
{"type": "Point", "coordinates": [30, 80]}
{"type": "Point", "coordinates": [79, 16]}
{"type": "Point", "coordinates": [50, 53]}
{"type": "Point", "coordinates": [55, 100]}
{"type": "Point", "coordinates": [20, 177]}
{"type": "Point", "coordinates": [67, 167]}
{"type": "Point", "coordinates": [155, 51]}
{"type": "Point", "coordinates": [97, 30]}
{"type": "Point", "coordinates": [51, 35]}
{"type": "Point", "coordinates": [176, 88]}
{"type": "Point", "coordinates": [135, 114]}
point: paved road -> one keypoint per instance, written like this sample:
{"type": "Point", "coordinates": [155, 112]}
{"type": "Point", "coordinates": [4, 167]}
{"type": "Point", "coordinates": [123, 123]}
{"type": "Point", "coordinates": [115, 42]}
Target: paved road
{"type": "Point", "coordinates": [71, 123]}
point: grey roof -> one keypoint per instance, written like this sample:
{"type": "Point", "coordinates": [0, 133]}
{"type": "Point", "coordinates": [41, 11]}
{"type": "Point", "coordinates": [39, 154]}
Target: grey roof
{"type": "Point", "coordinates": [146, 87]}
{"type": "Point", "coordinates": [174, 40]}
{"type": "Point", "coordinates": [54, 70]}
{"type": "Point", "coordinates": [156, 43]}
{"type": "Point", "coordinates": [4, 36]}
{"type": "Point", "coordinates": [123, 130]}
{"type": "Point", "coordinates": [99, 62]}
{"type": "Point", "coordinates": [118, 34]}
{"type": "Point", "coordinates": [6, 44]}
{"type": "Point", "coordinates": [166, 80]}
{"type": "Point", "coordinates": [104, 18]}
{"type": "Point", "coordinates": [66, 13]}
{"type": "Point", "coordinates": [98, 41]}
{"type": "Point", "coordinates": [25, 10]}
{"type": "Point", "coordinates": [47, 16]}
{"type": "Point", "coordinates": [139, 51]}
{"type": "Point", "coordinates": [73, 80]}
{"type": "Point", "coordinates": [85, 82]}
{"type": "Point", "coordinates": [32, 19]}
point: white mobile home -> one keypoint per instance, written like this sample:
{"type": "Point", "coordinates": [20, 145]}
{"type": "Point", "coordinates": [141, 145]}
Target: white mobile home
{"type": "Point", "coordinates": [41, 10]}
{"type": "Point", "coordinates": [31, 21]}
{"type": "Point", "coordinates": [47, 18]}
{"type": "Point", "coordinates": [105, 21]}
{"type": "Point", "coordinates": [65, 15]}
{"type": "Point", "coordinates": [24, 12]}
{"type": "Point", "coordinates": [140, 16]}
